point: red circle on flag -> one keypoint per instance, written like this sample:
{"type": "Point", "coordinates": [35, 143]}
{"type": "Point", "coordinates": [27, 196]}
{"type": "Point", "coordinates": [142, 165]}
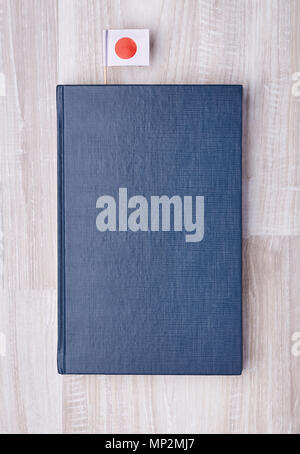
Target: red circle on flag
{"type": "Point", "coordinates": [125, 48]}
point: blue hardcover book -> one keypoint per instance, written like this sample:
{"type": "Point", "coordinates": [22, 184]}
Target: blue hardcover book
{"type": "Point", "coordinates": [149, 229]}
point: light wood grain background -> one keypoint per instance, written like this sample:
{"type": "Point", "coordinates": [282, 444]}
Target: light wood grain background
{"type": "Point", "coordinates": [251, 42]}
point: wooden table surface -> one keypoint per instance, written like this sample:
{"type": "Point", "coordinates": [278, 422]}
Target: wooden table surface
{"type": "Point", "coordinates": [251, 42]}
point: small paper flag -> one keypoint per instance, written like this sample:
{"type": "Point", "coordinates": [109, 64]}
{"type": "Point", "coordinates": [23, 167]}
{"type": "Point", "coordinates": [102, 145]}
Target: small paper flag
{"type": "Point", "coordinates": [126, 47]}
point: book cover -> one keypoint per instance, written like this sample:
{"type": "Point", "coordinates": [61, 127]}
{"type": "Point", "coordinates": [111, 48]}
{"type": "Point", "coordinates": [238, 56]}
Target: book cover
{"type": "Point", "coordinates": [149, 229]}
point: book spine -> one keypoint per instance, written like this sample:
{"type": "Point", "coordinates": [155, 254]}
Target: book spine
{"type": "Point", "coordinates": [60, 231]}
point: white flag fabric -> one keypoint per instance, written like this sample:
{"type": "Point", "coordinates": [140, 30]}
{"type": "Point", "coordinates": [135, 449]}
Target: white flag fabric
{"type": "Point", "coordinates": [126, 47]}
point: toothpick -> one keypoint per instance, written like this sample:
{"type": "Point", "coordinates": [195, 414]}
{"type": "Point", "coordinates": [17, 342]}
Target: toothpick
{"type": "Point", "coordinates": [105, 57]}
{"type": "Point", "coordinates": [105, 75]}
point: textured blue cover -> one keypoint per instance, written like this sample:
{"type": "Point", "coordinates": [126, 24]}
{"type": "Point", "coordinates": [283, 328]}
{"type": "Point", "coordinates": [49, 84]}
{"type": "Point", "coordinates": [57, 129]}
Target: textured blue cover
{"type": "Point", "coordinates": [149, 302]}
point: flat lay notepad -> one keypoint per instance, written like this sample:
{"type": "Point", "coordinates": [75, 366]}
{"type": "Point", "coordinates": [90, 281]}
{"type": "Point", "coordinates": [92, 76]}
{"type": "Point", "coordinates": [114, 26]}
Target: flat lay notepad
{"type": "Point", "coordinates": [149, 229]}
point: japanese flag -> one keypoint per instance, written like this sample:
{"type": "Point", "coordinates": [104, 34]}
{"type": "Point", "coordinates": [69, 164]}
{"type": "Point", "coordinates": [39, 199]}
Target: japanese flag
{"type": "Point", "coordinates": [126, 47]}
